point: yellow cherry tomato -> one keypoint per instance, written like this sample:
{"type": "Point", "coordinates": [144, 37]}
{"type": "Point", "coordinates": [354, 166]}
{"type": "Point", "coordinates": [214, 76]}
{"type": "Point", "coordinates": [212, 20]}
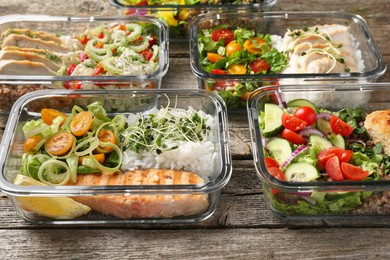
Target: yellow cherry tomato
{"type": "Point", "coordinates": [31, 142]}
{"type": "Point", "coordinates": [48, 115]}
{"type": "Point", "coordinates": [237, 69]}
{"type": "Point", "coordinates": [214, 57]}
{"type": "Point", "coordinates": [254, 45]}
{"type": "Point", "coordinates": [59, 143]}
{"type": "Point", "coordinates": [81, 123]}
{"type": "Point", "coordinates": [106, 135]}
{"type": "Point", "coordinates": [232, 47]}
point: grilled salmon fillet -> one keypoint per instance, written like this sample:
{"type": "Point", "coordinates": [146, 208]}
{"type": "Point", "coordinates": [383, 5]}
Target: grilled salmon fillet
{"type": "Point", "coordinates": [377, 125]}
{"type": "Point", "coordinates": [144, 206]}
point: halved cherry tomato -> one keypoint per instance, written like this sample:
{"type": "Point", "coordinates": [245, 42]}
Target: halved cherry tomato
{"type": "Point", "coordinates": [98, 70]}
{"type": "Point", "coordinates": [306, 114]}
{"type": "Point", "coordinates": [71, 69]}
{"type": "Point", "coordinates": [259, 65]}
{"type": "Point", "coordinates": [346, 156]}
{"type": "Point", "coordinates": [222, 85]}
{"type": "Point", "coordinates": [147, 55]}
{"type": "Point", "coordinates": [218, 71]}
{"type": "Point", "coordinates": [106, 135]}
{"type": "Point", "coordinates": [352, 172]}
{"type": "Point", "coordinates": [293, 123]}
{"type": "Point", "coordinates": [232, 47]}
{"type": "Point", "coordinates": [270, 162]}
{"type": "Point", "coordinates": [84, 39]}
{"type": "Point", "coordinates": [246, 95]}
{"type": "Point", "coordinates": [254, 45]}
{"type": "Point", "coordinates": [237, 69]}
{"type": "Point", "coordinates": [293, 137]}
{"type": "Point", "coordinates": [31, 142]}
{"type": "Point", "coordinates": [100, 157]}
{"type": "Point", "coordinates": [340, 127]}
{"type": "Point", "coordinates": [278, 174]}
{"type": "Point", "coordinates": [59, 143]}
{"type": "Point", "coordinates": [214, 57]}
{"type": "Point", "coordinates": [223, 34]}
{"type": "Point", "coordinates": [152, 41]}
{"type": "Point", "coordinates": [328, 153]}
{"type": "Point", "coordinates": [81, 123]}
{"type": "Point", "coordinates": [333, 169]}
{"type": "Point", "coordinates": [49, 114]}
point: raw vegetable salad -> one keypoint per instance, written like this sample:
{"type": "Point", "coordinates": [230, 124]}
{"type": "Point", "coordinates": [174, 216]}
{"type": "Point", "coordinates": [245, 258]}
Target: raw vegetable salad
{"type": "Point", "coordinates": [306, 144]}
{"type": "Point", "coordinates": [237, 52]}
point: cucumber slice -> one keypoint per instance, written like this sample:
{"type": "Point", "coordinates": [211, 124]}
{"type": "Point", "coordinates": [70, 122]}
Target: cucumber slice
{"type": "Point", "coordinates": [272, 120]}
{"type": "Point", "coordinates": [302, 102]}
{"type": "Point", "coordinates": [301, 172]}
{"type": "Point", "coordinates": [280, 149]}
{"type": "Point", "coordinates": [324, 126]}
{"type": "Point", "coordinates": [337, 140]}
{"type": "Point", "coordinates": [316, 140]}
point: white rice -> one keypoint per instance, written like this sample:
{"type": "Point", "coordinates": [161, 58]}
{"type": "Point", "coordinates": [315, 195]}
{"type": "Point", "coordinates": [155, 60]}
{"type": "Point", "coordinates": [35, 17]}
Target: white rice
{"type": "Point", "coordinates": [197, 157]}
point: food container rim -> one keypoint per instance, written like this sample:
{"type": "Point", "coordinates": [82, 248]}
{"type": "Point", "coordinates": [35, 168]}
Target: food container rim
{"type": "Point", "coordinates": [199, 72]}
{"type": "Point", "coordinates": [163, 44]}
{"type": "Point", "coordinates": [257, 144]}
{"type": "Point", "coordinates": [214, 185]}
{"type": "Point", "coordinates": [266, 4]}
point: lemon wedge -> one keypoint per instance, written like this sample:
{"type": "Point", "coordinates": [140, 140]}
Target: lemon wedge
{"type": "Point", "coordinates": [52, 207]}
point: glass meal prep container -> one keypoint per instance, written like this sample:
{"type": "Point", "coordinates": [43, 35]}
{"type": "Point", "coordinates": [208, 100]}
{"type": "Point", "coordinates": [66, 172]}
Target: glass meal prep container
{"type": "Point", "coordinates": [40, 51]}
{"type": "Point", "coordinates": [177, 14]}
{"type": "Point", "coordinates": [234, 54]}
{"type": "Point", "coordinates": [184, 130]}
{"type": "Point", "coordinates": [336, 168]}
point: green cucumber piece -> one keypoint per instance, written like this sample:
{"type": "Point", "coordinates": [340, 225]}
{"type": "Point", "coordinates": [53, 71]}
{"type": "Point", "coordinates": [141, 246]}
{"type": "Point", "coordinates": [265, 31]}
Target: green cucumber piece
{"type": "Point", "coordinates": [324, 126]}
{"type": "Point", "coordinates": [272, 120]}
{"type": "Point", "coordinates": [301, 172]}
{"type": "Point", "coordinates": [280, 149]}
{"type": "Point", "coordinates": [300, 102]}
{"type": "Point", "coordinates": [337, 140]}
{"type": "Point", "coordinates": [316, 140]}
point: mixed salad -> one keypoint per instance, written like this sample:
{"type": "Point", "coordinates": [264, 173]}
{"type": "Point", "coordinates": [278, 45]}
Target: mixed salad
{"type": "Point", "coordinates": [303, 143]}
{"type": "Point", "coordinates": [237, 52]}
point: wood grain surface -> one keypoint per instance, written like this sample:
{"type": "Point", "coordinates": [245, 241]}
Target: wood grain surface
{"type": "Point", "coordinates": [242, 226]}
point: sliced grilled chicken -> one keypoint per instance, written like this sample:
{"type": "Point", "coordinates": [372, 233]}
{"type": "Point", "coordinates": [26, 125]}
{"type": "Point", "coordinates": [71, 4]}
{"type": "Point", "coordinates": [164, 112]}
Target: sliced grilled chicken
{"type": "Point", "coordinates": [31, 34]}
{"type": "Point", "coordinates": [24, 41]}
{"type": "Point", "coordinates": [25, 67]}
{"type": "Point", "coordinates": [29, 56]}
{"type": "Point", "coordinates": [325, 65]}
{"type": "Point", "coordinates": [144, 206]}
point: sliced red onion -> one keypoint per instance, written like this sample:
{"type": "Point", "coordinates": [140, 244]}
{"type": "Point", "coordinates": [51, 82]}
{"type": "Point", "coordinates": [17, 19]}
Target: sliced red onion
{"type": "Point", "coordinates": [282, 103]}
{"type": "Point", "coordinates": [264, 141]}
{"type": "Point", "coordinates": [83, 56]}
{"type": "Point", "coordinates": [324, 115]}
{"type": "Point", "coordinates": [308, 131]}
{"type": "Point", "coordinates": [356, 141]}
{"type": "Point", "coordinates": [294, 154]}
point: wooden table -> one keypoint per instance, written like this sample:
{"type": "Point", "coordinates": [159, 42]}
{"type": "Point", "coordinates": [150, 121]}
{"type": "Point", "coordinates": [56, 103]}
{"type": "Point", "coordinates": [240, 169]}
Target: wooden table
{"type": "Point", "coordinates": [242, 227]}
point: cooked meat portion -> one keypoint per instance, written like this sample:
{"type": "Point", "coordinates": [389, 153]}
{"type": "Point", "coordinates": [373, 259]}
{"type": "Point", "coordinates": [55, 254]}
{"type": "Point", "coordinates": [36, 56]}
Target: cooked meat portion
{"type": "Point", "coordinates": [24, 67]}
{"type": "Point", "coordinates": [31, 34]}
{"type": "Point", "coordinates": [144, 206]}
{"type": "Point", "coordinates": [24, 41]}
{"type": "Point", "coordinates": [378, 128]}
{"type": "Point", "coordinates": [325, 65]}
{"type": "Point", "coordinates": [29, 56]}
{"type": "Point", "coordinates": [33, 50]}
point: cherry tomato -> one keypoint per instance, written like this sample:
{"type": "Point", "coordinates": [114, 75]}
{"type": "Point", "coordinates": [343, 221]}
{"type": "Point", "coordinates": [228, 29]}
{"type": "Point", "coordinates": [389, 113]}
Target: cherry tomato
{"type": "Point", "coordinates": [218, 71]}
{"type": "Point", "coordinates": [148, 54]}
{"type": "Point", "coordinates": [306, 114]}
{"type": "Point", "coordinates": [214, 57]}
{"type": "Point", "coordinates": [31, 142]}
{"type": "Point", "coordinates": [98, 70]}
{"type": "Point", "coordinates": [152, 41]}
{"type": "Point", "coordinates": [106, 135]}
{"type": "Point", "coordinates": [328, 153]}
{"type": "Point", "coordinates": [333, 169]}
{"type": "Point", "coordinates": [59, 143]}
{"type": "Point", "coordinates": [49, 114]}
{"type": "Point", "coordinates": [237, 69]}
{"type": "Point", "coordinates": [232, 47]}
{"type": "Point", "coordinates": [222, 85]}
{"type": "Point", "coordinates": [254, 45]}
{"type": "Point", "coordinates": [100, 157]}
{"type": "Point", "coordinates": [292, 137]}
{"type": "Point", "coordinates": [352, 172]}
{"type": "Point", "coordinates": [278, 174]}
{"type": "Point", "coordinates": [259, 66]}
{"type": "Point", "coordinates": [346, 156]}
{"type": "Point", "coordinates": [223, 34]}
{"type": "Point", "coordinates": [293, 123]}
{"type": "Point", "coordinates": [270, 162]}
{"type": "Point", "coordinates": [340, 127]}
{"type": "Point", "coordinates": [81, 123]}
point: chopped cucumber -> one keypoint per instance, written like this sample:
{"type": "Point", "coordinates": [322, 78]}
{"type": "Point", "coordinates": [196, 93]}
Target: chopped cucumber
{"type": "Point", "coordinates": [324, 126]}
{"type": "Point", "coordinates": [337, 140]}
{"type": "Point", "coordinates": [272, 120]}
{"type": "Point", "coordinates": [280, 149]}
{"type": "Point", "coordinates": [316, 140]}
{"type": "Point", "coordinates": [302, 102]}
{"type": "Point", "coordinates": [301, 172]}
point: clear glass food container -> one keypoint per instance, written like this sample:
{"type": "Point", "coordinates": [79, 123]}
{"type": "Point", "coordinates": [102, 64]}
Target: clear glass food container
{"type": "Point", "coordinates": [235, 87]}
{"type": "Point", "coordinates": [178, 14]}
{"type": "Point", "coordinates": [41, 51]}
{"type": "Point", "coordinates": [181, 198]}
{"type": "Point", "coordinates": [323, 196]}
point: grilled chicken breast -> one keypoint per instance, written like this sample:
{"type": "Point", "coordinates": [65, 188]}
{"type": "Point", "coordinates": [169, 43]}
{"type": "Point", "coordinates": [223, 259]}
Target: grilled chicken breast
{"type": "Point", "coordinates": [29, 56]}
{"type": "Point", "coordinates": [32, 34]}
{"type": "Point", "coordinates": [25, 67]}
{"type": "Point", "coordinates": [144, 206]}
{"type": "Point", "coordinates": [23, 41]}
{"type": "Point", "coordinates": [377, 125]}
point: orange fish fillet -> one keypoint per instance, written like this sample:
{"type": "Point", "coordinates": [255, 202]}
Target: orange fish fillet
{"type": "Point", "coordinates": [144, 206]}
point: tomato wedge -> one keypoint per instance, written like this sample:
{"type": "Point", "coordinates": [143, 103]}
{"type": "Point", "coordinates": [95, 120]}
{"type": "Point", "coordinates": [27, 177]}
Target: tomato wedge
{"type": "Point", "coordinates": [352, 172]}
{"type": "Point", "coordinates": [328, 153]}
{"type": "Point", "coordinates": [223, 34]}
{"type": "Point", "coordinates": [340, 127]}
{"type": "Point", "coordinates": [270, 162]}
{"type": "Point", "coordinates": [346, 156]}
{"type": "Point", "coordinates": [81, 123]}
{"type": "Point", "coordinates": [214, 57]}
{"type": "Point", "coordinates": [59, 144]}
{"type": "Point", "coordinates": [293, 137]}
{"type": "Point", "coordinates": [49, 114]}
{"type": "Point", "coordinates": [333, 169]}
{"type": "Point", "coordinates": [278, 174]}
{"type": "Point", "coordinates": [293, 123]}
